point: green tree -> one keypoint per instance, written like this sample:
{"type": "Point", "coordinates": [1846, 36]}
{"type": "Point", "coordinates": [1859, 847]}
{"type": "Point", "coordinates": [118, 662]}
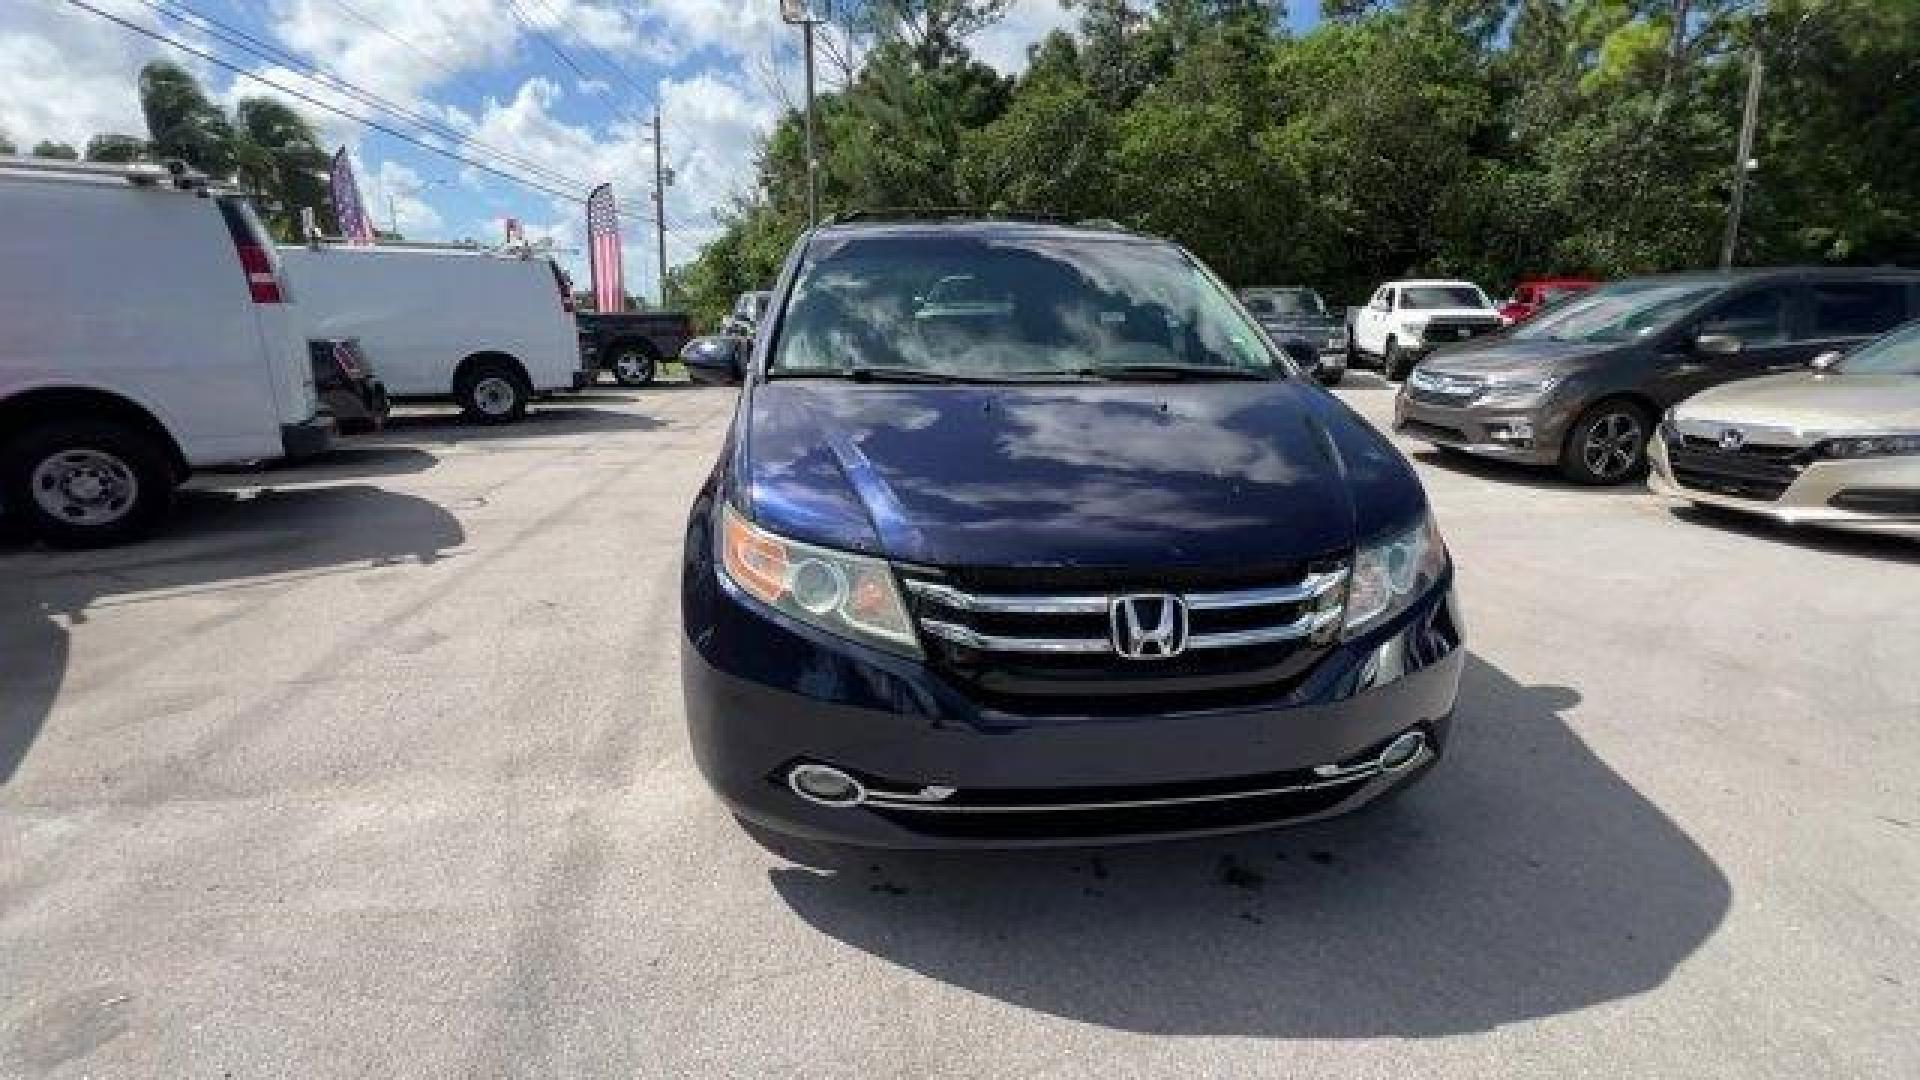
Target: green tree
{"type": "Point", "coordinates": [116, 148]}
{"type": "Point", "coordinates": [6, 143]}
{"type": "Point", "coordinates": [59, 151]}
{"type": "Point", "coordinates": [283, 165]}
{"type": "Point", "coordinates": [183, 123]}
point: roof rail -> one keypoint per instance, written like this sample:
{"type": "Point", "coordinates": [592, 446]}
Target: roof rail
{"type": "Point", "coordinates": [138, 173]}
{"type": "Point", "coordinates": [941, 213]}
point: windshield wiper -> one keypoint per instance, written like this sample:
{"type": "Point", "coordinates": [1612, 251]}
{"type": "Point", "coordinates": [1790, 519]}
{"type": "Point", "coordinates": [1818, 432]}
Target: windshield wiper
{"type": "Point", "coordinates": [868, 373]}
{"type": "Point", "coordinates": [1197, 372]}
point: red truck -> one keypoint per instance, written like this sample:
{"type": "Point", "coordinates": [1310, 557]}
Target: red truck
{"type": "Point", "coordinates": [1535, 293]}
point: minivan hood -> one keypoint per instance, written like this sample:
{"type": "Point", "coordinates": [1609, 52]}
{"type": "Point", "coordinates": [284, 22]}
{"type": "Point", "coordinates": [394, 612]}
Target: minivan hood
{"type": "Point", "coordinates": [1107, 475]}
{"type": "Point", "coordinates": [1506, 356]}
{"type": "Point", "coordinates": [1809, 403]}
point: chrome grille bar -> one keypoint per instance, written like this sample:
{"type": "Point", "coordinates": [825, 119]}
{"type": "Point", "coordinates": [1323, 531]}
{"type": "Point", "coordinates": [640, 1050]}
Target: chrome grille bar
{"type": "Point", "coordinates": [1306, 624]}
{"type": "Point", "coordinates": [963, 635]}
{"type": "Point", "coordinates": [1310, 587]}
{"type": "Point", "coordinates": [948, 596]}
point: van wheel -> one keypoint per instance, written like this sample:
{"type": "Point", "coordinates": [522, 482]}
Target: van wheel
{"type": "Point", "coordinates": [492, 393]}
{"type": "Point", "coordinates": [1607, 445]}
{"type": "Point", "coordinates": [86, 483]}
{"type": "Point", "coordinates": [633, 365]}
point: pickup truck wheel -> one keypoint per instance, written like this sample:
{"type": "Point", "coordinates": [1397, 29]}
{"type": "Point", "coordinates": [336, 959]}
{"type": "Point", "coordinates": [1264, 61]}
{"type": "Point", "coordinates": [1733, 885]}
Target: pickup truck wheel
{"type": "Point", "coordinates": [1397, 363]}
{"type": "Point", "coordinates": [85, 483]}
{"type": "Point", "coordinates": [492, 393]}
{"type": "Point", "coordinates": [633, 366]}
{"type": "Point", "coordinates": [1607, 445]}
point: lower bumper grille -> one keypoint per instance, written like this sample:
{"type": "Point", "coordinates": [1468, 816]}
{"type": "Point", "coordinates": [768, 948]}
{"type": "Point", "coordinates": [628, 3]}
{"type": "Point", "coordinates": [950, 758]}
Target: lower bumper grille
{"type": "Point", "coordinates": [1749, 473]}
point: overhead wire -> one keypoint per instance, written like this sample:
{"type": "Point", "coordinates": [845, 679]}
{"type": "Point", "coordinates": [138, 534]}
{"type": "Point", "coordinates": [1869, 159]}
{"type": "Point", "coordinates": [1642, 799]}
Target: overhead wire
{"type": "Point", "coordinates": [254, 46]}
{"type": "Point", "coordinates": [319, 104]}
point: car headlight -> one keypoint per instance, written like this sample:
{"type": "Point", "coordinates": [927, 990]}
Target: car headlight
{"type": "Point", "coordinates": [1391, 573]}
{"type": "Point", "coordinates": [1871, 446]}
{"type": "Point", "coordinates": [850, 595]}
{"type": "Point", "coordinates": [1518, 391]}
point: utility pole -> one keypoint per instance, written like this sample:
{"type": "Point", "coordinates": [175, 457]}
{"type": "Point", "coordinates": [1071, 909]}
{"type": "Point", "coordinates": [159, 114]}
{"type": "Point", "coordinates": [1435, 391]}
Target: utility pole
{"type": "Point", "coordinates": [808, 14]}
{"type": "Point", "coordinates": [660, 208]}
{"type": "Point", "coordinates": [1743, 162]}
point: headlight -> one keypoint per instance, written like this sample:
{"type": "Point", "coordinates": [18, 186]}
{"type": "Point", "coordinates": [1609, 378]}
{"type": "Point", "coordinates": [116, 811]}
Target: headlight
{"type": "Point", "coordinates": [849, 595]}
{"type": "Point", "coordinates": [1871, 446]}
{"type": "Point", "coordinates": [1518, 391]}
{"type": "Point", "coordinates": [1390, 574]}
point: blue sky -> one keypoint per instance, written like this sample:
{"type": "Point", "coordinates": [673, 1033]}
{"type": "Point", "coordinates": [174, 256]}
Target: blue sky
{"type": "Point", "coordinates": [720, 71]}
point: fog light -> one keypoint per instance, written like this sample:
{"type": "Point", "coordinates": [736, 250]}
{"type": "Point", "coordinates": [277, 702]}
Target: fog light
{"type": "Point", "coordinates": [825, 785]}
{"type": "Point", "coordinates": [1515, 431]}
{"type": "Point", "coordinates": [1403, 751]}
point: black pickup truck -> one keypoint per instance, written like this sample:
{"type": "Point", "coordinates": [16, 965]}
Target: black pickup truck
{"type": "Point", "coordinates": [631, 344]}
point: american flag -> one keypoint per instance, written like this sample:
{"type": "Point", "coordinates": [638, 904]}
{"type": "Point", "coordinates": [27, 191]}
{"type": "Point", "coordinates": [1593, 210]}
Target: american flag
{"type": "Point", "coordinates": [355, 225]}
{"type": "Point", "coordinates": [603, 241]}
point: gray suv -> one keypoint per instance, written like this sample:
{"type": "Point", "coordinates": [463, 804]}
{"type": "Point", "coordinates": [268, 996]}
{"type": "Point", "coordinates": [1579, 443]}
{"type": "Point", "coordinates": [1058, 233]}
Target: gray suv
{"type": "Point", "coordinates": [1582, 386]}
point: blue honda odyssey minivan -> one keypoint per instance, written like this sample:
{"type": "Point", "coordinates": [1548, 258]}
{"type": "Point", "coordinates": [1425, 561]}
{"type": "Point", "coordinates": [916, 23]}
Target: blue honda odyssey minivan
{"type": "Point", "coordinates": [1027, 534]}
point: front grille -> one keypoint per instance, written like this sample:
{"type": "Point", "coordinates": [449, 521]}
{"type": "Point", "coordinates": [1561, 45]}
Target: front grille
{"type": "Point", "coordinates": [1442, 331]}
{"type": "Point", "coordinates": [1045, 639]}
{"type": "Point", "coordinates": [1436, 388]}
{"type": "Point", "coordinates": [1754, 471]}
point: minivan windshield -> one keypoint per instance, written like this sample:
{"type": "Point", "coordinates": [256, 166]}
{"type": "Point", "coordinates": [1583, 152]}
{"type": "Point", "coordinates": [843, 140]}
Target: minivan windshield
{"type": "Point", "coordinates": [1284, 303]}
{"type": "Point", "coordinates": [1896, 354]}
{"type": "Point", "coordinates": [1416, 297]}
{"type": "Point", "coordinates": [1011, 307]}
{"type": "Point", "coordinates": [1624, 311]}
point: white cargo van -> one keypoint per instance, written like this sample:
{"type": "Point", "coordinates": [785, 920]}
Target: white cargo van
{"type": "Point", "coordinates": [490, 330]}
{"type": "Point", "coordinates": [144, 332]}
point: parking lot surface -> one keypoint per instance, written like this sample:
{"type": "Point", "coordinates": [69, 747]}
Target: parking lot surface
{"type": "Point", "coordinates": [375, 766]}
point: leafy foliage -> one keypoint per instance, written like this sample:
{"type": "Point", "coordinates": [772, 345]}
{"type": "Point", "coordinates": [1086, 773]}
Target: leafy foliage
{"type": "Point", "coordinates": [1493, 139]}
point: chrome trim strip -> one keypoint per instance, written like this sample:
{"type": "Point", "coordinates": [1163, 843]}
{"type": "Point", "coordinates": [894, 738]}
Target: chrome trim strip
{"type": "Point", "coordinates": [1310, 587]}
{"type": "Point", "coordinates": [1029, 605]}
{"type": "Point", "coordinates": [973, 639]}
{"type": "Point", "coordinates": [891, 800]}
{"type": "Point", "coordinates": [1301, 627]}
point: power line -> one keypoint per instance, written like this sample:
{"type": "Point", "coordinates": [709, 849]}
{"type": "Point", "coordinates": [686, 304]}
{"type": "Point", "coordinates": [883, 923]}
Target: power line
{"type": "Point", "coordinates": [317, 103]}
{"type": "Point", "coordinates": [554, 47]}
{"type": "Point", "coordinates": [314, 73]}
{"type": "Point", "coordinates": [607, 61]}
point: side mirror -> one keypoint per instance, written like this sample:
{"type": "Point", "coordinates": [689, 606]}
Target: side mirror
{"type": "Point", "coordinates": [1827, 361]}
{"type": "Point", "coordinates": [716, 360]}
{"type": "Point", "coordinates": [1718, 344]}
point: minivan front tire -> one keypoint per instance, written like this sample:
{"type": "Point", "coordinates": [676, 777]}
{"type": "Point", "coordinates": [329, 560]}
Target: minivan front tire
{"type": "Point", "coordinates": [85, 483]}
{"type": "Point", "coordinates": [491, 392]}
{"type": "Point", "coordinates": [1607, 444]}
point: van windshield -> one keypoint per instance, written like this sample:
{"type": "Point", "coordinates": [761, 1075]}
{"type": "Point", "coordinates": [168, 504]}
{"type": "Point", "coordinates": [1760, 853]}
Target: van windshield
{"type": "Point", "coordinates": [987, 307]}
{"type": "Point", "coordinates": [1625, 311]}
{"type": "Point", "coordinates": [1284, 303]}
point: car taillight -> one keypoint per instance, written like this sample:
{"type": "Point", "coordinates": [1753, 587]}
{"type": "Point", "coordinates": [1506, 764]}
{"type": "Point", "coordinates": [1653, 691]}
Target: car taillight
{"type": "Point", "coordinates": [264, 287]}
{"type": "Point", "coordinates": [346, 361]}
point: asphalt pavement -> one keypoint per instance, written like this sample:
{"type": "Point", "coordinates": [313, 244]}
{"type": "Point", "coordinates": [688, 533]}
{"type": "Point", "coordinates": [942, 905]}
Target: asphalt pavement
{"type": "Point", "coordinates": [375, 767]}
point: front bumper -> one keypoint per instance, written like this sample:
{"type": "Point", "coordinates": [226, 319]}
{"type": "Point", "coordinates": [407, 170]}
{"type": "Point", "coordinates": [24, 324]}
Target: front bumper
{"type": "Point", "coordinates": [764, 694]}
{"type": "Point", "coordinates": [1529, 433]}
{"type": "Point", "coordinates": [1873, 495]}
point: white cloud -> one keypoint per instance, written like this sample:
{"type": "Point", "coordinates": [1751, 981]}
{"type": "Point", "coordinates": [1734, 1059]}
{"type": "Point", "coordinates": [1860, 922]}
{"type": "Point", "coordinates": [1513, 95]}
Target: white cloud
{"type": "Point", "coordinates": [67, 74]}
{"type": "Point", "coordinates": [397, 196]}
{"type": "Point", "coordinates": [1004, 44]}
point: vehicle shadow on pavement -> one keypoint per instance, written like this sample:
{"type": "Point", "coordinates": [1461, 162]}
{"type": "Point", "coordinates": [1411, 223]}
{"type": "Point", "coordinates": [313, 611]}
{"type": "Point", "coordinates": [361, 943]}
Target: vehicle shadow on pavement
{"type": "Point", "coordinates": [1523, 879]}
{"type": "Point", "coordinates": [541, 421]}
{"type": "Point", "coordinates": [1505, 472]}
{"type": "Point", "coordinates": [1831, 541]}
{"type": "Point", "coordinates": [215, 540]}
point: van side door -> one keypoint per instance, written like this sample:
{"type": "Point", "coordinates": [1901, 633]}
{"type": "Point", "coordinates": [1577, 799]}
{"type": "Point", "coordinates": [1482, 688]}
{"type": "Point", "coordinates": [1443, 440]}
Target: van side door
{"type": "Point", "coordinates": [1764, 318]}
{"type": "Point", "coordinates": [1842, 313]}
